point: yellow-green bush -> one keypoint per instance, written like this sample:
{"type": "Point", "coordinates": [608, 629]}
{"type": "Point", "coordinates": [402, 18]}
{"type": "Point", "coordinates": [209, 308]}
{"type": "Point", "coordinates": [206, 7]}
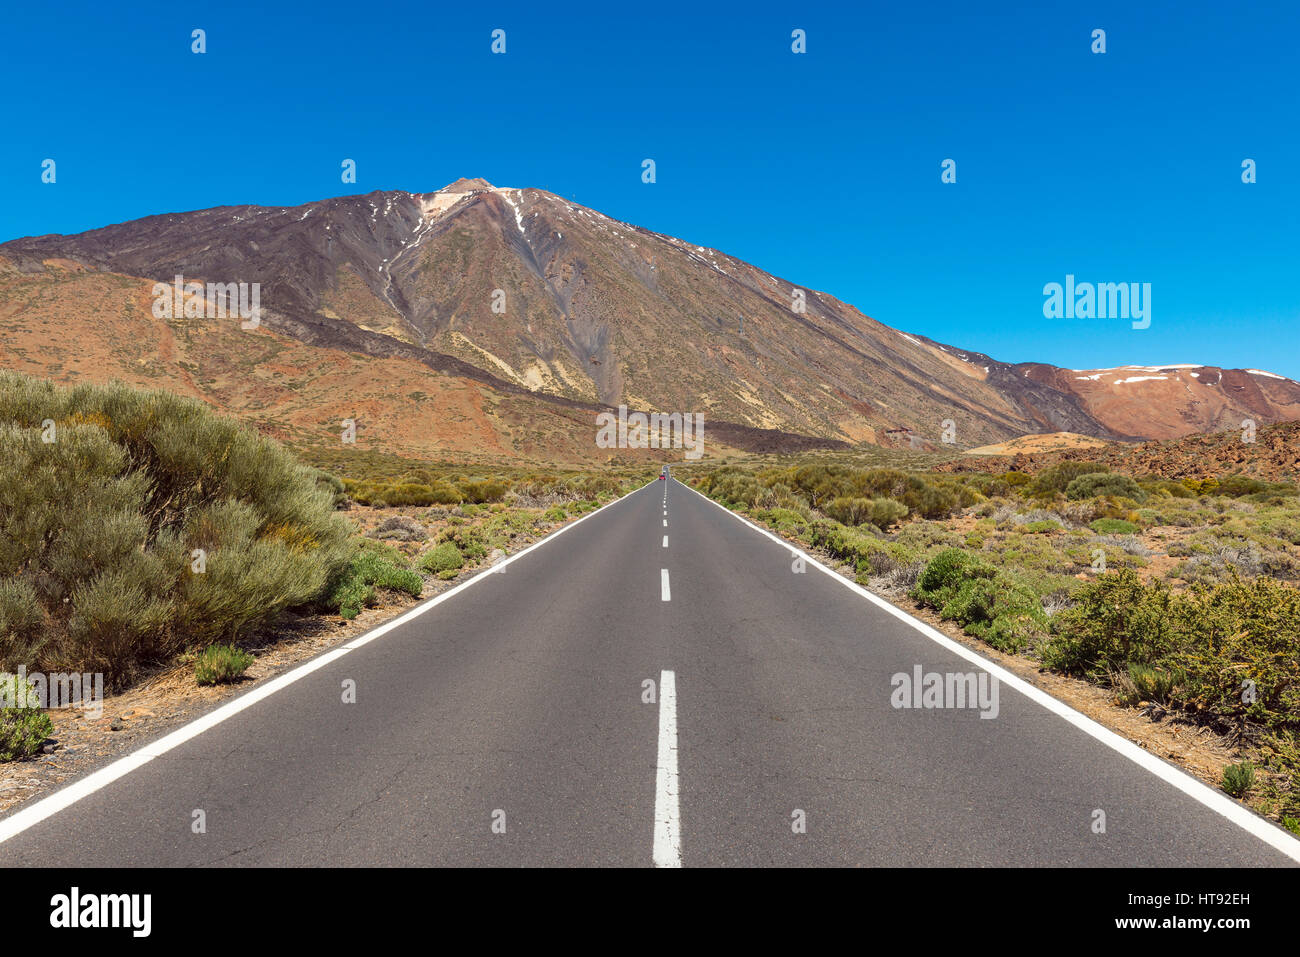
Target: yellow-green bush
{"type": "Point", "coordinates": [881, 512]}
{"type": "Point", "coordinates": [221, 664]}
{"type": "Point", "coordinates": [1235, 646]}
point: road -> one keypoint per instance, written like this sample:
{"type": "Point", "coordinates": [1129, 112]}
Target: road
{"type": "Point", "coordinates": [658, 683]}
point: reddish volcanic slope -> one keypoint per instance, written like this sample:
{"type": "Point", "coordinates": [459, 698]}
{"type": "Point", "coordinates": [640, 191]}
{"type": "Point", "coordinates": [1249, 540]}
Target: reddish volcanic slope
{"type": "Point", "coordinates": [1164, 402]}
{"type": "Point", "coordinates": [1273, 454]}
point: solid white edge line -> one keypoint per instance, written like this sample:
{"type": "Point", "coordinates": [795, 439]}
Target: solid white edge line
{"type": "Point", "coordinates": [664, 593]}
{"type": "Point", "coordinates": [33, 814]}
{"type": "Point", "coordinates": [1221, 804]}
{"type": "Point", "coordinates": [668, 836]}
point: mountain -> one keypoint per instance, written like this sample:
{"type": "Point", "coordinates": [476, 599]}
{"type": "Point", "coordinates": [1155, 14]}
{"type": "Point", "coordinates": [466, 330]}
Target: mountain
{"type": "Point", "coordinates": [528, 294]}
{"type": "Point", "coordinates": [1272, 454]}
{"type": "Point", "coordinates": [72, 323]}
{"type": "Point", "coordinates": [1172, 401]}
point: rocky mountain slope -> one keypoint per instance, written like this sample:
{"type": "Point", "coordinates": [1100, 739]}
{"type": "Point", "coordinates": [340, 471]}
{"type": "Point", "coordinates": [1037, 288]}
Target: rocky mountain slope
{"type": "Point", "coordinates": [72, 323]}
{"type": "Point", "coordinates": [1273, 454]}
{"type": "Point", "coordinates": [526, 293]}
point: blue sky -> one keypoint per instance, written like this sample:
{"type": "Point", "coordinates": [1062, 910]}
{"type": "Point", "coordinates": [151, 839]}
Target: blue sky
{"type": "Point", "coordinates": [823, 168]}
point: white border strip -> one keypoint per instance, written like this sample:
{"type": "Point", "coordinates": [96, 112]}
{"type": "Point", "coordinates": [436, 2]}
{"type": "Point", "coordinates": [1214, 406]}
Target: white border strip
{"type": "Point", "coordinates": [65, 797]}
{"type": "Point", "coordinates": [1244, 818]}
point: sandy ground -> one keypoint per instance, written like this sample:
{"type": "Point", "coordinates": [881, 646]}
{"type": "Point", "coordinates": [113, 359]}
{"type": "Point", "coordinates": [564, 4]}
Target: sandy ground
{"type": "Point", "coordinates": [1046, 442]}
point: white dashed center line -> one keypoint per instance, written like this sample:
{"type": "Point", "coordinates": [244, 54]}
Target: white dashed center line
{"type": "Point", "coordinates": [668, 839]}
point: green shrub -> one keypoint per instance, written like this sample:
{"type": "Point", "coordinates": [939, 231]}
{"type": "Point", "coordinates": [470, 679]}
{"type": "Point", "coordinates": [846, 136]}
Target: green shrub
{"type": "Point", "coordinates": [349, 595]}
{"type": "Point", "coordinates": [484, 491]}
{"type": "Point", "coordinates": [332, 484]}
{"type": "Point", "coordinates": [1273, 496]}
{"type": "Point", "coordinates": [149, 524]}
{"type": "Point", "coordinates": [1238, 779]}
{"type": "Point", "coordinates": [848, 511]}
{"type": "Point", "coordinates": [472, 541]}
{"type": "Point", "coordinates": [23, 725]}
{"type": "Point", "coordinates": [936, 501]}
{"type": "Point", "coordinates": [784, 520]}
{"type": "Point", "coordinates": [868, 554]}
{"type": "Point", "coordinates": [1226, 651]}
{"type": "Point", "coordinates": [881, 512]}
{"type": "Point", "coordinates": [1055, 480]}
{"type": "Point", "coordinates": [1238, 632]}
{"type": "Point", "coordinates": [1116, 620]}
{"type": "Point", "coordinates": [948, 569]}
{"type": "Point", "coordinates": [1113, 526]}
{"type": "Point", "coordinates": [443, 560]}
{"type": "Point", "coordinates": [406, 494]}
{"type": "Point", "coordinates": [1091, 485]}
{"type": "Point", "coordinates": [1147, 683]}
{"type": "Point", "coordinates": [990, 486]}
{"type": "Point", "coordinates": [403, 494]}
{"type": "Point", "coordinates": [444, 493]}
{"type": "Point", "coordinates": [1044, 527]}
{"type": "Point", "coordinates": [1175, 489]}
{"type": "Point", "coordinates": [373, 566]}
{"type": "Point", "coordinates": [22, 621]}
{"type": "Point", "coordinates": [1239, 485]}
{"type": "Point", "coordinates": [923, 536]}
{"type": "Point", "coordinates": [221, 664]}
{"type": "Point", "coordinates": [986, 602]}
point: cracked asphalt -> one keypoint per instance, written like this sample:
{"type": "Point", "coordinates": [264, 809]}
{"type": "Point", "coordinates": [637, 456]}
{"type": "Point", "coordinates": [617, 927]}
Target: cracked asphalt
{"type": "Point", "coordinates": [518, 701]}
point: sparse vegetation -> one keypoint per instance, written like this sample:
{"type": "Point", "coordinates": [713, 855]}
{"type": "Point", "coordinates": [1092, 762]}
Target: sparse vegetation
{"type": "Point", "coordinates": [1238, 779]}
{"type": "Point", "coordinates": [221, 664]}
{"type": "Point", "coordinates": [373, 566]}
{"type": "Point", "coordinates": [444, 560]}
{"type": "Point", "coordinates": [24, 727]}
{"type": "Point", "coordinates": [1112, 526]}
{"type": "Point", "coordinates": [987, 603]}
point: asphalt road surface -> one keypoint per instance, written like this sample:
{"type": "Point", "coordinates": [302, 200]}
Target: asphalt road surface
{"type": "Point", "coordinates": [658, 683]}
